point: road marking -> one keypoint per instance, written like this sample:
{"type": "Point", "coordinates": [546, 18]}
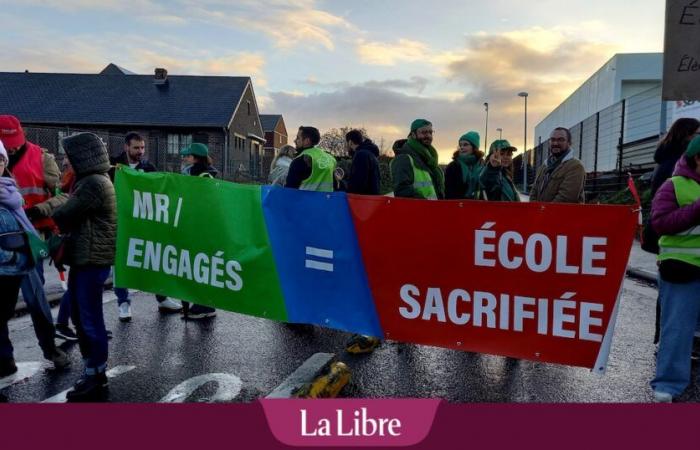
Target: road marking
{"type": "Point", "coordinates": [25, 370]}
{"type": "Point", "coordinates": [111, 373]}
{"type": "Point", "coordinates": [319, 253]}
{"type": "Point", "coordinates": [228, 387]}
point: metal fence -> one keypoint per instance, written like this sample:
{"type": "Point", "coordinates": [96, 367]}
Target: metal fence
{"type": "Point", "coordinates": [619, 139]}
{"type": "Point", "coordinates": [248, 167]}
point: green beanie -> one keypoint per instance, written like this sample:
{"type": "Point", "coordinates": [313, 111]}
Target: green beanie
{"type": "Point", "coordinates": [501, 144]}
{"type": "Point", "coordinates": [419, 123]}
{"type": "Point", "coordinates": [694, 147]}
{"type": "Point", "coordinates": [472, 137]}
{"type": "Point", "coordinates": [195, 149]}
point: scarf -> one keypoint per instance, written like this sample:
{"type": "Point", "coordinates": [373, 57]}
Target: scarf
{"type": "Point", "coordinates": [552, 163]}
{"type": "Point", "coordinates": [429, 158]}
{"type": "Point", "coordinates": [11, 199]}
{"type": "Point", "coordinates": [470, 174]}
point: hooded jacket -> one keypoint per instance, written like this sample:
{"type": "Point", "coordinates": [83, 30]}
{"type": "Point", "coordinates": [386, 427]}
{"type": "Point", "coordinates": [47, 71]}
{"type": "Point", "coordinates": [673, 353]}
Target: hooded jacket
{"type": "Point", "coordinates": [402, 172]}
{"type": "Point", "coordinates": [364, 171]}
{"type": "Point", "coordinates": [89, 217]}
{"type": "Point", "coordinates": [461, 185]}
{"type": "Point", "coordinates": [666, 157]}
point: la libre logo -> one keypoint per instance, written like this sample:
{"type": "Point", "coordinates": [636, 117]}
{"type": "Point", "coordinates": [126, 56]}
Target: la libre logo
{"type": "Point", "coordinates": [357, 424]}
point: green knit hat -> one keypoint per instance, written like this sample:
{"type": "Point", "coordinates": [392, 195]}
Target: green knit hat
{"type": "Point", "coordinates": [694, 147]}
{"type": "Point", "coordinates": [419, 123]}
{"type": "Point", "coordinates": [501, 144]}
{"type": "Point", "coordinates": [472, 137]}
{"type": "Point", "coordinates": [195, 149]}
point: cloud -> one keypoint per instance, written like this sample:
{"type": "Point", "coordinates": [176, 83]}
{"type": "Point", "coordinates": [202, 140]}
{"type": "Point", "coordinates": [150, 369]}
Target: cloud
{"type": "Point", "coordinates": [415, 83]}
{"type": "Point", "coordinates": [390, 54]}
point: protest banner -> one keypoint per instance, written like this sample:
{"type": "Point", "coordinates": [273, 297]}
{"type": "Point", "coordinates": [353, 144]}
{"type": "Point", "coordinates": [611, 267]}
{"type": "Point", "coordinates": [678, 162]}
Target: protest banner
{"type": "Point", "coordinates": [526, 280]}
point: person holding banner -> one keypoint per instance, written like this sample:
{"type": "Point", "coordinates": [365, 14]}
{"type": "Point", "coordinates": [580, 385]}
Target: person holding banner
{"type": "Point", "coordinates": [462, 174]}
{"type": "Point", "coordinates": [415, 172]}
{"type": "Point", "coordinates": [497, 175]}
{"type": "Point", "coordinates": [197, 163]}
{"type": "Point", "coordinates": [89, 219]}
{"type": "Point", "coordinates": [675, 216]}
{"type": "Point", "coordinates": [312, 169]}
{"type": "Point", "coordinates": [562, 178]}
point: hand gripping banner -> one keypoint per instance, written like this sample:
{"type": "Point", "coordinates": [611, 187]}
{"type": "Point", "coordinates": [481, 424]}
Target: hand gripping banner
{"type": "Point", "coordinates": [526, 280]}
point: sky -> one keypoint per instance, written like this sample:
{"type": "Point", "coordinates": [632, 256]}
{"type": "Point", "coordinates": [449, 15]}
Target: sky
{"type": "Point", "coordinates": [363, 63]}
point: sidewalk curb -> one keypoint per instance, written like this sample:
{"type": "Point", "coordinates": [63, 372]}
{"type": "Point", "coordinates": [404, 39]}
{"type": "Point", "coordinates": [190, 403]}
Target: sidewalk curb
{"type": "Point", "coordinates": [319, 376]}
{"type": "Point", "coordinates": [643, 275]}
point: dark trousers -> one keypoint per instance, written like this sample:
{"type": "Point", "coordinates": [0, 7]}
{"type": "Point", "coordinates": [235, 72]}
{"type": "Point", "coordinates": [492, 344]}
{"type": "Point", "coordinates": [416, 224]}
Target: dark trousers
{"type": "Point", "coordinates": [85, 288]}
{"type": "Point", "coordinates": [9, 290]}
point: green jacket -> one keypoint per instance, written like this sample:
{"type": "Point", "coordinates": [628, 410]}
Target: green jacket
{"type": "Point", "coordinates": [89, 217]}
{"type": "Point", "coordinates": [498, 185]}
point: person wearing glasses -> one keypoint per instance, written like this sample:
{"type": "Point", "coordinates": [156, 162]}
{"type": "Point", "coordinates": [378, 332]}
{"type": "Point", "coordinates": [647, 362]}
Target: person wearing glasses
{"type": "Point", "coordinates": [415, 172]}
{"type": "Point", "coordinates": [562, 177]}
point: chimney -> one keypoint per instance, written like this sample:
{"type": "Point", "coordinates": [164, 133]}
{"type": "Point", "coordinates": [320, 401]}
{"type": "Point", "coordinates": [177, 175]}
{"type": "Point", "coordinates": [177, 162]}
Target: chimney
{"type": "Point", "coordinates": [161, 77]}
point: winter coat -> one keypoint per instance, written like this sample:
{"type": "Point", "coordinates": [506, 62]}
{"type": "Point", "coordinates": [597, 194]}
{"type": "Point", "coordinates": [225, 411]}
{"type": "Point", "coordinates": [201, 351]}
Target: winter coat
{"type": "Point", "coordinates": [457, 187]}
{"type": "Point", "coordinates": [666, 158]}
{"type": "Point", "coordinates": [89, 217]}
{"type": "Point", "coordinates": [497, 184]}
{"type": "Point", "coordinates": [565, 184]}
{"type": "Point", "coordinates": [278, 174]}
{"type": "Point", "coordinates": [364, 171]}
{"type": "Point", "coordinates": [666, 216]}
{"type": "Point", "coordinates": [402, 171]}
{"type": "Point", "coordinates": [12, 263]}
{"type": "Point", "coordinates": [199, 169]}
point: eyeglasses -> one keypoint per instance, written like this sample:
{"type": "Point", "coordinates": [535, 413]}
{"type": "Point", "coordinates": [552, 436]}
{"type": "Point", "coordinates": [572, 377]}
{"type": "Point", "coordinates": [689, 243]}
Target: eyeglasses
{"type": "Point", "coordinates": [561, 139]}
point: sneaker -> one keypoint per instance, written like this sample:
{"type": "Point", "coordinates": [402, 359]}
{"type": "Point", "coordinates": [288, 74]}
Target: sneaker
{"type": "Point", "coordinates": [59, 359]}
{"type": "Point", "coordinates": [169, 306]}
{"type": "Point", "coordinates": [198, 312]}
{"type": "Point", "coordinates": [7, 367]}
{"type": "Point", "coordinates": [64, 332]}
{"type": "Point", "coordinates": [362, 344]}
{"type": "Point", "coordinates": [125, 312]}
{"type": "Point", "coordinates": [89, 388]}
{"type": "Point", "coordinates": [662, 397]}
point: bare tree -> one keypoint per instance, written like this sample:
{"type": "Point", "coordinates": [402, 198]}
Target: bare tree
{"type": "Point", "coordinates": [333, 140]}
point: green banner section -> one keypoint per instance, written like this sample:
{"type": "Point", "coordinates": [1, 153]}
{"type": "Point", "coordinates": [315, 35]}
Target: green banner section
{"type": "Point", "coordinates": [196, 239]}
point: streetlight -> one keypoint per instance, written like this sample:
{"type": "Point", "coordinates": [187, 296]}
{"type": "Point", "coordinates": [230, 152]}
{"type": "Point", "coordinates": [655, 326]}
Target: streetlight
{"type": "Point", "coordinates": [524, 95]}
{"type": "Point", "coordinates": [500, 133]}
{"type": "Point", "coordinates": [486, 133]}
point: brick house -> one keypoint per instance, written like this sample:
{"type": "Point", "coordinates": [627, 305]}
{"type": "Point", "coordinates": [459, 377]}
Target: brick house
{"type": "Point", "coordinates": [170, 111]}
{"type": "Point", "coordinates": [275, 137]}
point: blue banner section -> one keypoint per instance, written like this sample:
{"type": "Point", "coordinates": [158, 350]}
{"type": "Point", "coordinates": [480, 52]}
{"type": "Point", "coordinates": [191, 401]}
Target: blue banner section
{"type": "Point", "coordinates": [318, 260]}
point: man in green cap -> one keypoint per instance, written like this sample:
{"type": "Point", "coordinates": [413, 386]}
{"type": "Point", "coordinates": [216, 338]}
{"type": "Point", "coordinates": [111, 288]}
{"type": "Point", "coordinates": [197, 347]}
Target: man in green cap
{"type": "Point", "coordinates": [415, 172]}
{"type": "Point", "coordinates": [462, 174]}
{"type": "Point", "coordinates": [312, 169]}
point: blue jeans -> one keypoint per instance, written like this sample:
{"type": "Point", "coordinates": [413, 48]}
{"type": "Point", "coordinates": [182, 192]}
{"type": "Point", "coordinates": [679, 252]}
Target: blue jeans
{"type": "Point", "coordinates": [680, 310]}
{"type": "Point", "coordinates": [85, 288]}
{"type": "Point", "coordinates": [63, 310]}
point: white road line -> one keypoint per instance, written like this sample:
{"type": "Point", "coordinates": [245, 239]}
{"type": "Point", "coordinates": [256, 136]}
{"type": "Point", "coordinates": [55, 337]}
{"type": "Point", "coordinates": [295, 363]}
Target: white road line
{"type": "Point", "coordinates": [320, 252]}
{"type": "Point", "coordinates": [111, 373]}
{"type": "Point", "coordinates": [24, 370]}
{"type": "Point", "coordinates": [310, 264]}
{"type": "Point", "coordinates": [228, 386]}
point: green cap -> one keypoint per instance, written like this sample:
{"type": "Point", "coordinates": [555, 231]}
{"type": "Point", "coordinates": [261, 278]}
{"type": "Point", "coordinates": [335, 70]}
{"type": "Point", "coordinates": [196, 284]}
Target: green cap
{"type": "Point", "coordinates": [501, 144]}
{"type": "Point", "coordinates": [472, 137]}
{"type": "Point", "coordinates": [419, 123]}
{"type": "Point", "coordinates": [195, 149]}
{"type": "Point", "coordinates": [694, 147]}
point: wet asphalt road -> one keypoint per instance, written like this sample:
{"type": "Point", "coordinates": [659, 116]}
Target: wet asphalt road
{"type": "Point", "coordinates": [155, 355]}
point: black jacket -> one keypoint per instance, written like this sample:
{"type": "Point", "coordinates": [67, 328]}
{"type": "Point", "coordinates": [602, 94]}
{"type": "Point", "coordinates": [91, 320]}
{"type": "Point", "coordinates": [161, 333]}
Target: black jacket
{"type": "Point", "coordinates": [144, 165]}
{"type": "Point", "coordinates": [666, 158]}
{"type": "Point", "coordinates": [198, 169]}
{"type": "Point", "coordinates": [364, 171]}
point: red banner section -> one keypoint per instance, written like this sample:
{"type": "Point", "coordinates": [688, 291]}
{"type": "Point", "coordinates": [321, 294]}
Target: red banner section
{"type": "Point", "coordinates": [527, 280]}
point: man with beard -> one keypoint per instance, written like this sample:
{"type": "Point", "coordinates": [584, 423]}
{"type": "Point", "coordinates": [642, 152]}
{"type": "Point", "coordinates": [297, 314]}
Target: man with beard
{"type": "Point", "coordinates": [561, 179]}
{"type": "Point", "coordinates": [415, 172]}
{"type": "Point", "coordinates": [312, 169]}
{"type": "Point", "coordinates": [134, 156]}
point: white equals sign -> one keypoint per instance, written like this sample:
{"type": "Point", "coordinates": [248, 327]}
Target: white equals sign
{"type": "Point", "coordinates": [319, 253]}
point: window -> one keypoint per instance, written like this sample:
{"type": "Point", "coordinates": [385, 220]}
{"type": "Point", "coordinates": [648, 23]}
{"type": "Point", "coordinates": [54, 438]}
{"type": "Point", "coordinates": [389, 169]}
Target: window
{"type": "Point", "coordinates": [238, 143]}
{"type": "Point", "coordinates": [61, 134]}
{"type": "Point", "coordinates": [177, 142]}
{"type": "Point", "coordinates": [248, 107]}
